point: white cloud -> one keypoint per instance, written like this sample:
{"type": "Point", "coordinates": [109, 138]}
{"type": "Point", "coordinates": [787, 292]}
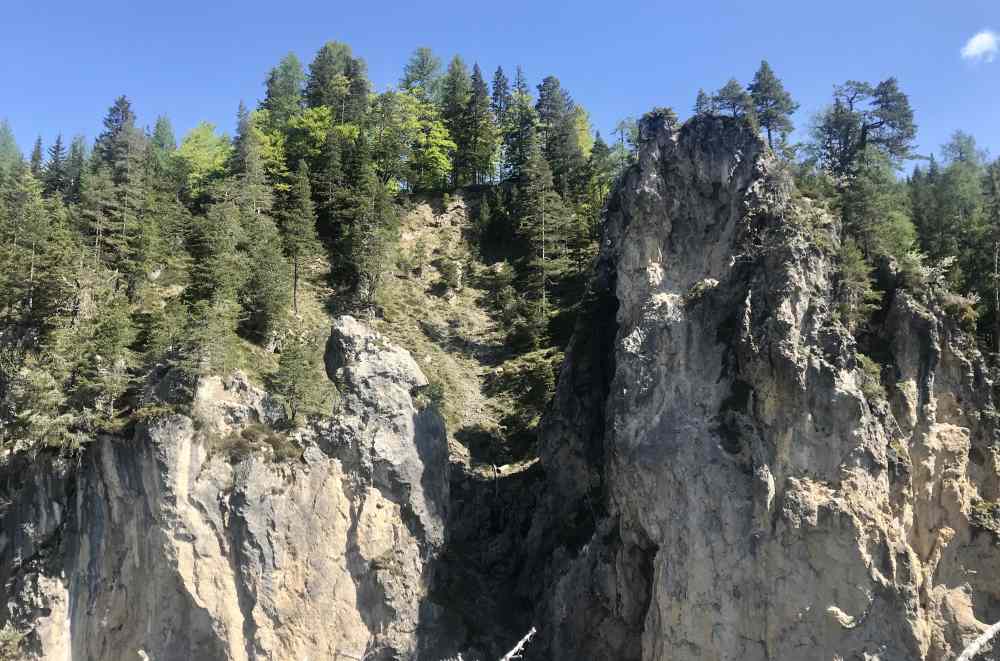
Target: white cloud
{"type": "Point", "coordinates": [982, 47]}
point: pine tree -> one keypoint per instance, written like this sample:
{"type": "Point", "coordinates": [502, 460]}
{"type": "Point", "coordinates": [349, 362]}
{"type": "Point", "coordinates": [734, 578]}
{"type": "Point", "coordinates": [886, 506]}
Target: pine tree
{"type": "Point", "coordinates": [702, 104]}
{"type": "Point", "coordinates": [283, 96]}
{"type": "Point", "coordinates": [863, 116]}
{"type": "Point", "coordinates": [772, 103]}
{"type": "Point", "coordinates": [299, 228]}
{"type": "Point", "coordinates": [732, 98]}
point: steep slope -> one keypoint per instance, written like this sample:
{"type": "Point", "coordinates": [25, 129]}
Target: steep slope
{"type": "Point", "coordinates": [163, 547]}
{"type": "Point", "coordinates": [749, 496]}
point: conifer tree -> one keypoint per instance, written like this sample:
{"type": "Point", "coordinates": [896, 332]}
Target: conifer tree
{"type": "Point", "coordinates": [772, 103]}
{"type": "Point", "coordinates": [732, 98]}
{"type": "Point", "coordinates": [10, 153]}
{"type": "Point", "coordinates": [299, 228]}
{"type": "Point", "coordinates": [456, 87]}
{"type": "Point", "coordinates": [422, 72]}
{"type": "Point", "coordinates": [339, 81]}
{"type": "Point", "coordinates": [477, 133]}
{"type": "Point", "coordinates": [36, 159]}
{"type": "Point", "coordinates": [299, 381]}
{"type": "Point", "coordinates": [501, 98]}
{"type": "Point", "coordinates": [283, 96]}
{"type": "Point", "coordinates": [520, 131]}
{"type": "Point", "coordinates": [702, 104]}
{"type": "Point", "coordinates": [75, 164]}
{"type": "Point", "coordinates": [863, 116]}
{"type": "Point", "coordinates": [55, 176]}
{"type": "Point", "coordinates": [558, 134]}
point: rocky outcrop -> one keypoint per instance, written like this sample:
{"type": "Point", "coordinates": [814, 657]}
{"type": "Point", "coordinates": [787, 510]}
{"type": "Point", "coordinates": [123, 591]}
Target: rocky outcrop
{"type": "Point", "coordinates": [753, 494]}
{"type": "Point", "coordinates": [177, 544]}
{"type": "Point", "coordinates": [726, 472]}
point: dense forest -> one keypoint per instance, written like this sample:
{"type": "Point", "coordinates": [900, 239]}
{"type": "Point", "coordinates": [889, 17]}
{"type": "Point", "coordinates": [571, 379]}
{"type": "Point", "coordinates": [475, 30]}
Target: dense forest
{"type": "Point", "coordinates": [138, 260]}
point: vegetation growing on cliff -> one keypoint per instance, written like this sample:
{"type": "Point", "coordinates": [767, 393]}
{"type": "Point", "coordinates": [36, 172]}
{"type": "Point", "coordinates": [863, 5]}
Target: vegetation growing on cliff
{"type": "Point", "coordinates": [140, 253]}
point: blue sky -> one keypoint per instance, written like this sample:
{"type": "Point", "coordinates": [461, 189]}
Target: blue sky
{"type": "Point", "coordinates": [62, 63]}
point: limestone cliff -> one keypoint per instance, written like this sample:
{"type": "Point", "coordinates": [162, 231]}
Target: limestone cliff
{"type": "Point", "coordinates": [170, 546]}
{"type": "Point", "coordinates": [721, 477]}
{"type": "Point", "coordinates": [750, 494]}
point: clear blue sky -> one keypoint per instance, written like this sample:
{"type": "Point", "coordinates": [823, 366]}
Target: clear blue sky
{"type": "Point", "coordinates": [63, 62]}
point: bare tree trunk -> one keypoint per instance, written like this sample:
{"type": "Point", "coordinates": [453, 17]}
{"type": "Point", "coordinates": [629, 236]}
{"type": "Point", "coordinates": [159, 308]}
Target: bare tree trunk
{"type": "Point", "coordinates": [977, 645]}
{"type": "Point", "coordinates": [519, 648]}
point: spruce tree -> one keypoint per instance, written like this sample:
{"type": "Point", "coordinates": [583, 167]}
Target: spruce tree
{"type": "Point", "coordinates": [36, 159]}
{"type": "Point", "coordinates": [299, 228]}
{"type": "Point", "coordinates": [501, 98]}
{"type": "Point", "coordinates": [422, 74]}
{"type": "Point", "coordinates": [772, 103]}
{"type": "Point", "coordinates": [519, 134]}
{"type": "Point", "coordinates": [456, 87]}
{"type": "Point", "coordinates": [75, 164]}
{"type": "Point", "coordinates": [339, 81]}
{"type": "Point", "coordinates": [283, 96]}
{"type": "Point", "coordinates": [299, 381]}
{"type": "Point", "coordinates": [477, 137]}
{"type": "Point", "coordinates": [559, 136]}
{"type": "Point", "coordinates": [10, 153]}
{"type": "Point", "coordinates": [55, 176]}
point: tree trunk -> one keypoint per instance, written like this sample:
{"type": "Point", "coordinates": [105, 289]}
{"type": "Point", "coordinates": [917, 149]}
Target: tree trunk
{"type": "Point", "coordinates": [295, 285]}
{"type": "Point", "coordinates": [996, 295]}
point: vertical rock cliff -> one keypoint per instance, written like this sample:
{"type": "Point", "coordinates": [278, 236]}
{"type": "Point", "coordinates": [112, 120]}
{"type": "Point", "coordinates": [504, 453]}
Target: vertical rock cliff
{"type": "Point", "coordinates": [175, 545]}
{"type": "Point", "coordinates": [722, 476]}
{"type": "Point", "coordinates": [748, 493]}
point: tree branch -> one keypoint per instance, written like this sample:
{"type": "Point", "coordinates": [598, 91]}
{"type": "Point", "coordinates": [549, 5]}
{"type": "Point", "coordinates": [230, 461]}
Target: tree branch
{"type": "Point", "coordinates": [521, 644]}
{"type": "Point", "coordinates": [977, 645]}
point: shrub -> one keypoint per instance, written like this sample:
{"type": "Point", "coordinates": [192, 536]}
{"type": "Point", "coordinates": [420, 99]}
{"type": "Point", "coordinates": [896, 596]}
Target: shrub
{"type": "Point", "coordinates": [871, 378]}
{"type": "Point", "coordinates": [451, 274]}
{"type": "Point", "coordinates": [10, 643]}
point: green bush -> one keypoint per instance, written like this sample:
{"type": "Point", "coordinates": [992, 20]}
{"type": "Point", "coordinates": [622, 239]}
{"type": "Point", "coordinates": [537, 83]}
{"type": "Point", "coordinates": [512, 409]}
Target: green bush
{"type": "Point", "coordinates": [10, 643]}
{"type": "Point", "coordinates": [871, 378]}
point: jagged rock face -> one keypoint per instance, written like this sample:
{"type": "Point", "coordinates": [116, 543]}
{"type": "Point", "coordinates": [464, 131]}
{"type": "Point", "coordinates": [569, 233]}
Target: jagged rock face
{"type": "Point", "coordinates": [159, 546]}
{"type": "Point", "coordinates": [759, 504]}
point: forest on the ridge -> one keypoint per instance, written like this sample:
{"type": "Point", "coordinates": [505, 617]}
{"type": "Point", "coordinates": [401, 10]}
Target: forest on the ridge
{"type": "Point", "coordinates": [138, 259]}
